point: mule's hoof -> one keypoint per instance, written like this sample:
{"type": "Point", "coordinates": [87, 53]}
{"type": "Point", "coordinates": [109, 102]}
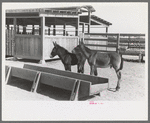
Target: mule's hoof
{"type": "Point", "coordinates": [117, 88]}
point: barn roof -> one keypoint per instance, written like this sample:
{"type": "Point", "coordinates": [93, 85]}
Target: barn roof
{"type": "Point", "coordinates": [75, 9]}
{"type": "Point", "coordinates": [69, 11]}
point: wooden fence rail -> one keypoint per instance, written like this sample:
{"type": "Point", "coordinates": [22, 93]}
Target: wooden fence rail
{"type": "Point", "coordinates": [126, 44]}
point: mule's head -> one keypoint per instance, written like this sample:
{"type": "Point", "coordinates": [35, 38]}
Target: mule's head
{"type": "Point", "coordinates": [54, 50]}
{"type": "Point", "coordinates": [76, 50]}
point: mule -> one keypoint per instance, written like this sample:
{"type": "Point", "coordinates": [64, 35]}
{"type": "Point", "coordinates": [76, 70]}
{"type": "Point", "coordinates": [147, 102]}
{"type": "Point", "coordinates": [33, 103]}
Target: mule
{"type": "Point", "coordinates": [103, 60]}
{"type": "Point", "coordinates": [81, 57]}
{"type": "Point", "coordinates": [66, 57]}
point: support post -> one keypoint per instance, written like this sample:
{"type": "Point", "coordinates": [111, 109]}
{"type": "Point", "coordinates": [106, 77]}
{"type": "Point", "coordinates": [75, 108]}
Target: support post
{"type": "Point", "coordinates": [32, 29]}
{"type": "Point", "coordinates": [106, 37]}
{"type": "Point", "coordinates": [54, 30]}
{"type": "Point", "coordinates": [49, 30]}
{"type": "Point", "coordinates": [83, 27]}
{"type": "Point", "coordinates": [42, 61]}
{"type": "Point", "coordinates": [36, 82]}
{"type": "Point", "coordinates": [64, 30]}
{"type": "Point", "coordinates": [77, 27]}
{"type": "Point", "coordinates": [75, 92]}
{"type": "Point", "coordinates": [89, 25]}
{"type": "Point", "coordinates": [14, 23]}
{"type": "Point", "coordinates": [24, 29]}
{"type": "Point", "coordinates": [118, 43]}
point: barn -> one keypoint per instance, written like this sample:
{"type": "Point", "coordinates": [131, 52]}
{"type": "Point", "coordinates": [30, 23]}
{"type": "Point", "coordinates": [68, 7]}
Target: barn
{"type": "Point", "coordinates": [30, 32]}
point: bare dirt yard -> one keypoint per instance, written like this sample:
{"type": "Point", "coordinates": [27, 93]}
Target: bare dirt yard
{"type": "Point", "coordinates": [133, 84]}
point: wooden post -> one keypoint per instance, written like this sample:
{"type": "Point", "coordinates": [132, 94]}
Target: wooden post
{"type": "Point", "coordinates": [83, 28]}
{"type": "Point", "coordinates": [118, 43]}
{"type": "Point", "coordinates": [106, 37]}
{"type": "Point", "coordinates": [89, 17]}
{"type": "Point", "coordinates": [54, 30]}
{"type": "Point", "coordinates": [32, 29]}
{"type": "Point", "coordinates": [49, 30]}
{"type": "Point", "coordinates": [8, 26]}
{"type": "Point", "coordinates": [77, 27]}
{"type": "Point", "coordinates": [24, 29]}
{"type": "Point", "coordinates": [36, 82]}
{"type": "Point", "coordinates": [42, 61]}
{"type": "Point", "coordinates": [17, 29]}
{"type": "Point", "coordinates": [64, 30]}
{"type": "Point", "coordinates": [14, 46]}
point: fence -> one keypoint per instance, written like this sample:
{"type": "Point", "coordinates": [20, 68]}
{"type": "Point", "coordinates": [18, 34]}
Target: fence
{"type": "Point", "coordinates": [9, 42]}
{"type": "Point", "coordinates": [126, 44]}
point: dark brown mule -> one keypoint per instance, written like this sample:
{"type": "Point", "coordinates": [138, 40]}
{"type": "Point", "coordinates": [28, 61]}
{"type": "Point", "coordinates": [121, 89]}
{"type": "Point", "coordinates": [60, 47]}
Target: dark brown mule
{"type": "Point", "coordinates": [103, 60]}
{"type": "Point", "coordinates": [81, 59]}
{"type": "Point", "coordinates": [67, 58]}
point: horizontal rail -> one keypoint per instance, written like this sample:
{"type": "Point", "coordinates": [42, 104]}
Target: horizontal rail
{"type": "Point", "coordinates": [114, 34]}
{"type": "Point", "coordinates": [96, 45]}
{"type": "Point", "coordinates": [95, 39]}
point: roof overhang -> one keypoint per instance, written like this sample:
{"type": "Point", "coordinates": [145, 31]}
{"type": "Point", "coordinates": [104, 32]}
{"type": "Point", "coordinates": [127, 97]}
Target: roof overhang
{"type": "Point", "coordinates": [95, 20]}
{"type": "Point", "coordinates": [71, 11]}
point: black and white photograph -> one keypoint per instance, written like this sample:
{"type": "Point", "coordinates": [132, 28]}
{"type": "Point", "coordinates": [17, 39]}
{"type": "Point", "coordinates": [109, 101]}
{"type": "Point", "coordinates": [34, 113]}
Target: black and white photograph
{"type": "Point", "coordinates": [74, 61]}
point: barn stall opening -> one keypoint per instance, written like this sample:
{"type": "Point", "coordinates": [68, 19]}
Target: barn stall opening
{"type": "Point", "coordinates": [30, 32]}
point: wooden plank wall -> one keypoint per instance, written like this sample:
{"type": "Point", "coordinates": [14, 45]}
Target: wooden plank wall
{"type": "Point", "coordinates": [9, 49]}
{"type": "Point", "coordinates": [28, 46]}
{"type": "Point", "coordinates": [65, 41]}
{"type": "Point", "coordinates": [127, 44]}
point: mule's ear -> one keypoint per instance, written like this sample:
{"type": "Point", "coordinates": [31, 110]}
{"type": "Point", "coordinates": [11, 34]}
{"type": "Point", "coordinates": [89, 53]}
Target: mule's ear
{"type": "Point", "coordinates": [79, 42]}
{"type": "Point", "coordinates": [54, 44]}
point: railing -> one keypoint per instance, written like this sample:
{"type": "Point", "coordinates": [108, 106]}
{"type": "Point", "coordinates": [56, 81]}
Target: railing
{"type": "Point", "coordinates": [127, 44]}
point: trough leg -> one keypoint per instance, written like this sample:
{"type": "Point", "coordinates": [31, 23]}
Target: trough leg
{"type": "Point", "coordinates": [36, 82]}
{"type": "Point", "coordinates": [8, 76]}
{"type": "Point", "coordinates": [42, 61]}
{"type": "Point", "coordinates": [75, 92]}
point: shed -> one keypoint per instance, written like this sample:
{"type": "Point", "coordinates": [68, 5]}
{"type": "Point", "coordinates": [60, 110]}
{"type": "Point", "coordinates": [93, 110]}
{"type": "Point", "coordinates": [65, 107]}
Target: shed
{"type": "Point", "coordinates": [34, 30]}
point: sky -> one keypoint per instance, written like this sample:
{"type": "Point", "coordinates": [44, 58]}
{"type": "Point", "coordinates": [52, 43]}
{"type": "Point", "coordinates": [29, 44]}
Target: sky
{"type": "Point", "coordinates": [125, 17]}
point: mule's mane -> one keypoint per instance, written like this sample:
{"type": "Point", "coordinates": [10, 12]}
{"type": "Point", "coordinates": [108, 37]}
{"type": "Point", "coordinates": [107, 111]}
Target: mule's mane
{"type": "Point", "coordinates": [63, 48]}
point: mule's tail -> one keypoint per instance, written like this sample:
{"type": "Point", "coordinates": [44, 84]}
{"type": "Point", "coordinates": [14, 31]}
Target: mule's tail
{"type": "Point", "coordinates": [121, 65]}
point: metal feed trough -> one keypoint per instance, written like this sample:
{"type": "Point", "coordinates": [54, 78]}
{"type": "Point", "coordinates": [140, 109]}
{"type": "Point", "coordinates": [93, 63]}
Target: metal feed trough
{"type": "Point", "coordinates": [80, 85]}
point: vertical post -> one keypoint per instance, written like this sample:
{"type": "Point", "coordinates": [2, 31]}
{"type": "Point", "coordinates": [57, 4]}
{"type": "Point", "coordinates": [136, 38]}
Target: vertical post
{"type": "Point", "coordinates": [54, 30]}
{"type": "Point", "coordinates": [106, 37]}
{"type": "Point", "coordinates": [8, 26]}
{"type": "Point", "coordinates": [24, 29]}
{"type": "Point", "coordinates": [83, 27]}
{"type": "Point", "coordinates": [118, 43]}
{"type": "Point", "coordinates": [42, 61]}
{"type": "Point", "coordinates": [54, 27]}
{"type": "Point", "coordinates": [89, 17]}
{"type": "Point", "coordinates": [32, 29]}
{"type": "Point", "coordinates": [18, 29]}
{"type": "Point", "coordinates": [49, 30]}
{"type": "Point", "coordinates": [77, 27]}
{"type": "Point", "coordinates": [14, 43]}
{"type": "Point", "coordinates": [106, 30]}
{"type": "Point", "coordinates": [64, 30]}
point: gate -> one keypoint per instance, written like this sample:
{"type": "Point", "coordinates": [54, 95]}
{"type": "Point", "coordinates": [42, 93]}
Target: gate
{"type": "Point", "coordinates": [9, 50]}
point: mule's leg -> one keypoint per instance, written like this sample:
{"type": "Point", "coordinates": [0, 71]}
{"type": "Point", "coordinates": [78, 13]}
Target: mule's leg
{"type": "Point", "coordinates": [92, 70]}
{"type": "Point", "coordinates": [78, 68]}
{"type": "Point", "coordinates": [95, 72]}
{"type": "Point", "coordinates": [119, 79]}
{"type": "Point", "coordinates": [69, 67]}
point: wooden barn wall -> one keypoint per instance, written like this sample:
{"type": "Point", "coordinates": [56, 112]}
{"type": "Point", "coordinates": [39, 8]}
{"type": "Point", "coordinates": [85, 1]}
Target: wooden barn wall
{"type": "Point", "coordinates": [28, 46]}
{"type": "Point", "coordinates": [67, 42]}
{"type": "Point", "coordinates": [96, 42]}
{"type": "Point", "coordinates": [9, 49]}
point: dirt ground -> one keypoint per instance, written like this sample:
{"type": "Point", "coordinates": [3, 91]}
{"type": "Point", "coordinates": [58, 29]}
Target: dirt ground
{"type": "Point", "coordinates": [133, 84]}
